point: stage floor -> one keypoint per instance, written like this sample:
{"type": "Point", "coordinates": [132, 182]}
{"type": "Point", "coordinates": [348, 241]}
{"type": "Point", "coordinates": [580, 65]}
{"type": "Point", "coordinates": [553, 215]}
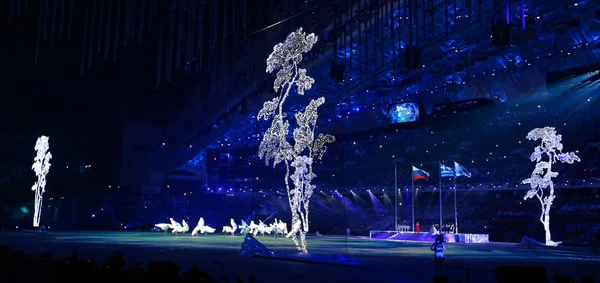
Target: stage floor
{"type": "Point", "coordinates": [383, 261]}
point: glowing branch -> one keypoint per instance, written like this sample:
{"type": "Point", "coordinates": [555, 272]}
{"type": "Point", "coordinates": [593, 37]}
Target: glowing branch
{"type": "Point", "coordinates": [320, 145]}
{"type": "Point", "coordinates": [275, 146]}
{"type": "Point", "coordinates": [41, 167]}
{"type": "Point", "coordinates": [269, 109]}
{"type": "Point", "coordinates": [541, 177]}
{"type": "Point", "coordinates": [304, 135]}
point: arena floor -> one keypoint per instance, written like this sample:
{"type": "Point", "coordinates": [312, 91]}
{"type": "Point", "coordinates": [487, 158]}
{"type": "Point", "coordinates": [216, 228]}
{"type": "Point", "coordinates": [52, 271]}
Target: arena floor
{"type": "Point", "coordinates": [382, 261]}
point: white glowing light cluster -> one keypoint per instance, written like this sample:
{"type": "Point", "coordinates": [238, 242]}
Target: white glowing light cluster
{"type": "Point", "coordinates": [541, 177]}
{"type": "Point", "coordinates": [275, 146]}
{"type": "Point", "coordinates": [41, 167]}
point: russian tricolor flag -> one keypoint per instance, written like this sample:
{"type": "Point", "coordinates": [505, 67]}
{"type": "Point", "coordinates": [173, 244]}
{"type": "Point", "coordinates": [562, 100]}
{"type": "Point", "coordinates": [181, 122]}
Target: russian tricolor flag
{"type": "Point", "coordinates": [419, 174]}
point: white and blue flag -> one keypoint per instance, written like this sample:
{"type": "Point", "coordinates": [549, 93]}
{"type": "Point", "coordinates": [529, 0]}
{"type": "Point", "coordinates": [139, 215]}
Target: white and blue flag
{"type": "Point", "coordinates": [461, 170]}
{"type": "Point", "coordinates": [446, 171]}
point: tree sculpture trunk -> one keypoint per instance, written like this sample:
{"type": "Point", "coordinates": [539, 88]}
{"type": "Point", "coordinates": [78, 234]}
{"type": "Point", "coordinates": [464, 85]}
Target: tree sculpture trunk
{"type": "Point", "coordinates": [292, 205]}
{"type": "Point", "coordinates": [37, 213]}
{"type": "Point", "coordinates": [546, 223]}
{"type": "Point", "coordinates": [302, 236]}
{"type": "Point", "coordinates": [297, 243]}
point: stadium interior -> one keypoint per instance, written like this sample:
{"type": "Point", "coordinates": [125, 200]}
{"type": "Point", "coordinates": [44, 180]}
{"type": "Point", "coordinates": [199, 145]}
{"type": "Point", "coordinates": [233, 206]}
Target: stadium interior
{"type": "Point", "coordinates": [407, 84]}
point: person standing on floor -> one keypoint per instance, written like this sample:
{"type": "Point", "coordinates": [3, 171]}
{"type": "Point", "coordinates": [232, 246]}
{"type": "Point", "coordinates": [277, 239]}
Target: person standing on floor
{"type": "Point", "coordinates": [438, 248]}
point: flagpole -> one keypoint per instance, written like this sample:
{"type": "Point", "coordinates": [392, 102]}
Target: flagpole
{"type": "Point", "coordinates": [455, 210]}
{"type": "Point", "coordinates": [396, 196]}
{"type": "Point", "coordinates": [412, 198]}
{"type": "Point", "coordinates": [440, 165]}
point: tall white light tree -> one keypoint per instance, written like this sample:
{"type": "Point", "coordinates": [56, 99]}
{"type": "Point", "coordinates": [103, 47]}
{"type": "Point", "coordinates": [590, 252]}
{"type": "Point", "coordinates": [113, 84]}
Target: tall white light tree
{"type": "Point", "coordinates": [275, 147]}
{"type": "Point", "coordinates": [541, 177]}
{"type": "Point", "coordinates": [41, 167]}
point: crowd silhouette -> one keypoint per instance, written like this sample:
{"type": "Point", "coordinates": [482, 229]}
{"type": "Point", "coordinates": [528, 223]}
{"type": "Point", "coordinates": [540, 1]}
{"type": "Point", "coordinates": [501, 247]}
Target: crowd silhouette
{"type": "Point", "coordinates": [16, 266]}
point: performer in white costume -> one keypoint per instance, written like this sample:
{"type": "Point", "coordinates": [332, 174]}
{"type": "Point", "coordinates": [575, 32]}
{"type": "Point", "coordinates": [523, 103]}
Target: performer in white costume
{"type": "Point", "coordinates": [230, 229]}
{"type": "Point", "coordinates": [163, 227]}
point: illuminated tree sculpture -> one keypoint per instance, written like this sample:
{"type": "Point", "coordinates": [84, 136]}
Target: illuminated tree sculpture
{"type": "Point", "coordinates": [275, 146]}
{"type": "Point", "coordinates": [41, 167]}
{"type": "Point", "coordinates": [541, 177]}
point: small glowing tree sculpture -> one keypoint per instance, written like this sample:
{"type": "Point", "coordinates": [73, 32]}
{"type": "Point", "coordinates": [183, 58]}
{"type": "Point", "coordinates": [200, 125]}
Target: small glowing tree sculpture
{"type": "Point", "coordinates": [275, 146]}
{"type": "Point", "coordinates": [541, 177]}
{"type": "Point", "coordinates": [41, 167]}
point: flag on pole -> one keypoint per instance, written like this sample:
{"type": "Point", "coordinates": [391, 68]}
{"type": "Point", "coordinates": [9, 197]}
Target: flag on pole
{"type": "Point", "coordinates": [461, 170]}
{"type": "Point", "coordinates": [419, 174]}
{"type": "Point", "coordinates": [446, 171]}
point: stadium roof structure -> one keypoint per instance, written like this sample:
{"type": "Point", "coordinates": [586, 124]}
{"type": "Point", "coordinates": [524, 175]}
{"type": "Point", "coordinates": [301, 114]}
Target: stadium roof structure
{"type": "Point", "coordinates": [359, 63]}
{"type": "Point", "coordinates": [367, 39]}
